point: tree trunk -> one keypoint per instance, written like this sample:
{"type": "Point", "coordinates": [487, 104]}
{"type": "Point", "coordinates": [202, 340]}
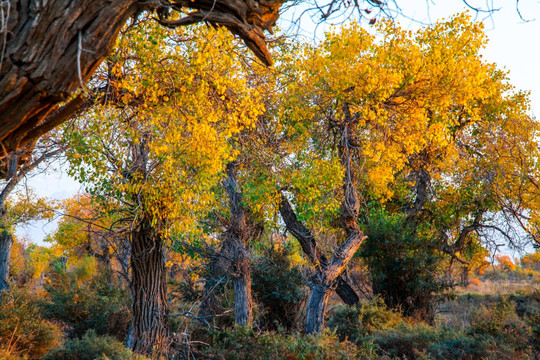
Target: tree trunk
{"type": "Point", "coordinates": [217, 276]}
{"type": "Point", "coordinates": [243, 303]}
{"type": "Point", "coordinates": [50, 49]}
{"type": "Point", "coordinates": [149, 331]}
{"type": "Point", "coordinates": [325, 281]}
{"type": "Point", "coordinates": [240, 230]}
{"type": "Point", "coordinates": [6, 241]}
{"type": "Point", "coordinates": [327, 275]}
{"type": "Point", "coordinates": [316, 308]}
{"type": "Point", "coordinates": [310, 248]}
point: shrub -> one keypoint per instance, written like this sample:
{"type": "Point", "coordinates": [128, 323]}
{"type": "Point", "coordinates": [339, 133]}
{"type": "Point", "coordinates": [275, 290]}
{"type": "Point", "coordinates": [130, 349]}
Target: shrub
{"type": "Point", "coordinates": [403, 262]}
{"type": "Point", "coordinates": [90, 347]}
{"type": "Point", "coordinates": [279, 288]}
{"type": "Point", "coordinates": [495, 333]}
{"type": "Point", "coordinates": [97, 303]}
{"type": "Point", "coordinates": [502, 324]}
{"type": "Point", "coordinates": [242, 343]}
{"type": "Point", "coordinates": [534, 323]}
{"type": "Point", "coordinates": [23, 331]}
{"type": "Point", "coordinates": [356, 322]}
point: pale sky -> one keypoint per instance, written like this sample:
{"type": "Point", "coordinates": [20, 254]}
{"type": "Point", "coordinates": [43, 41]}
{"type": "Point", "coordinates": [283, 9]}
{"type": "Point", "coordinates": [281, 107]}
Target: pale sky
{"type": "Point", "coordinates": [513, 45]}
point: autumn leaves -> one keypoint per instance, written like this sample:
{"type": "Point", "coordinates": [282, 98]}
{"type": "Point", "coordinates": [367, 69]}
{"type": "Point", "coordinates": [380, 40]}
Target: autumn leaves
{"type": "Point", "coordinates": [329, 128]}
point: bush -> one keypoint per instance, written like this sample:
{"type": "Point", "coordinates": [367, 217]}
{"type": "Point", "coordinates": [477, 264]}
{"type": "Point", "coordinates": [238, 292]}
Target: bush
{"type": "Point", "coordinates": [244, 344]}
{"type": "Point", "coordinates": [279, 288]}
{"type": "Point", "coordinates": [403, 262]}
{"type": "Point", "coordinates": [97, 303]}
{"type": "Point", "coordinates": [421, 341]}
{"type": "Point", "coordinates": [91, 347]}
{"type": "Point", "coordinates": [502, 324]}
{"type": "Point", "coordinates": [534, 323]}
{"type": "Point", "coordinates": [23, 331]}
{"type": "Point", "coordinates": [356, 322]}
{"type": "Point", "coordinates": [495, 333]}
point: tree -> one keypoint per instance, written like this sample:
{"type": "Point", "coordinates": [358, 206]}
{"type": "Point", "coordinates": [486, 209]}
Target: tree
{"type": "Point", "coordinates": [154, 149]}
{"type": "Point", "coordinates": [27, 207]}
{"type": "Point", "coordinates": [451, 170]}
{"type": "Point", "coordinates": [85, 229]}
{"type": "Point", "coordinates": [382, 119]}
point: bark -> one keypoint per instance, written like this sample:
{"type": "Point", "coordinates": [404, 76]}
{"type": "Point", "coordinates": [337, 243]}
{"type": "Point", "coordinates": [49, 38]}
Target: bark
{"type": "Point", "coordinates": [6, 240]}
{"type": "Point", "coordinates": [240, 230]}
{"type": "Point", "coordinates": [243, 302]}
{"type": "Point", "coordinates": [149, 331]}
{"type": "Point", "coordinates": [325, 279]}
{"type": "Point", "coordinates": [48, 50]}
{"type": "Point", "coordinates": [309, 246]}
{"type": "Point", "coordinates": [316, 308]}
{"type": "Point", "coordinates": [423, 184]}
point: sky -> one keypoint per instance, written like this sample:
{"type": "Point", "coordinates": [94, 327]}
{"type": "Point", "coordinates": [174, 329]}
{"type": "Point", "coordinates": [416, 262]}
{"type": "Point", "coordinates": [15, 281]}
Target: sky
{"type": "Point", "coordinates": [513, 45]}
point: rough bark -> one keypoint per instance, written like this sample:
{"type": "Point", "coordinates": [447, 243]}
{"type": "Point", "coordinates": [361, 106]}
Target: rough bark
{"type": "Point", "coordinates": [243, 301]}
{"type": "Point", "coordinates": [49, 49]}
{"type": "Point", "coordinates": [316, 308]}
{"type": "Point", "coordinates": [149, 331]}
{"type": "Point", "coordinates": [423, 183]}
{"type": "Point", "coordinates": [309, 246]}
{"type": "Point", "coordinates": [240, 230]}
{"type": "Point", "coordinates": [6, 240]}
{"type": "Point", "coordinates": [325, 279]}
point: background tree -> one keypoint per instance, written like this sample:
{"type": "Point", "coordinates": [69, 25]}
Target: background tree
{"type": "Point", "coordinates": [396, 115]}
{"type": "Point", "coordinates": [27, 207]}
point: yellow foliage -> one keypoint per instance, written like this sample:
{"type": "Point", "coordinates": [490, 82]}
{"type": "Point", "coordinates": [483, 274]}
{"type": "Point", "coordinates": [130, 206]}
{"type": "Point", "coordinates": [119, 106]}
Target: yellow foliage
{"type": "Point", "coordinates": [183, 109]}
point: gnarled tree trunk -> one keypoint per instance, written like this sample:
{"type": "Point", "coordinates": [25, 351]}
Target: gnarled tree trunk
{"type": "Point", "coordinates": [149, 331]}
{"type": "Point", "coordinates": [243, 301]}
{"type": "Point", "coordinates": [310, 248]}
{"type": "Point", "coordinates": [240, 230]}
{"type": "Point", "coordinates": [325, 279]}
{"type": "Point", "coordinates": [49, 49]}
{"type": "Point", "coordinates": [324, 282]}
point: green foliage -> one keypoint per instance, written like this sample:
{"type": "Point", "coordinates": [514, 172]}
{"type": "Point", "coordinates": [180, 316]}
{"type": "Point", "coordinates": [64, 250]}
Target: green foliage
{"type": "Point", "coordinates": [23, 330]}
{"type": "Point", "coordinates": [242, 343]}
{"type": "Point", "coordinates": [403, 262]}
{"type": "Point", "coordinates": [503, 324]}
{"type": "Point", "coordinates": [279, 286]}
{"type": "Point", "coordinates": [495, 333]}
{"type": "Point", "coordinates": [534, 322]}
{"type": "Point", "coordinates": [421, 341]}
{"type": "Point", "coordinates": [356, 322]}
{"type": "Point", "coordinates": [92, 346]}
{"type": "Point", "coordinates": [83, 302]}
